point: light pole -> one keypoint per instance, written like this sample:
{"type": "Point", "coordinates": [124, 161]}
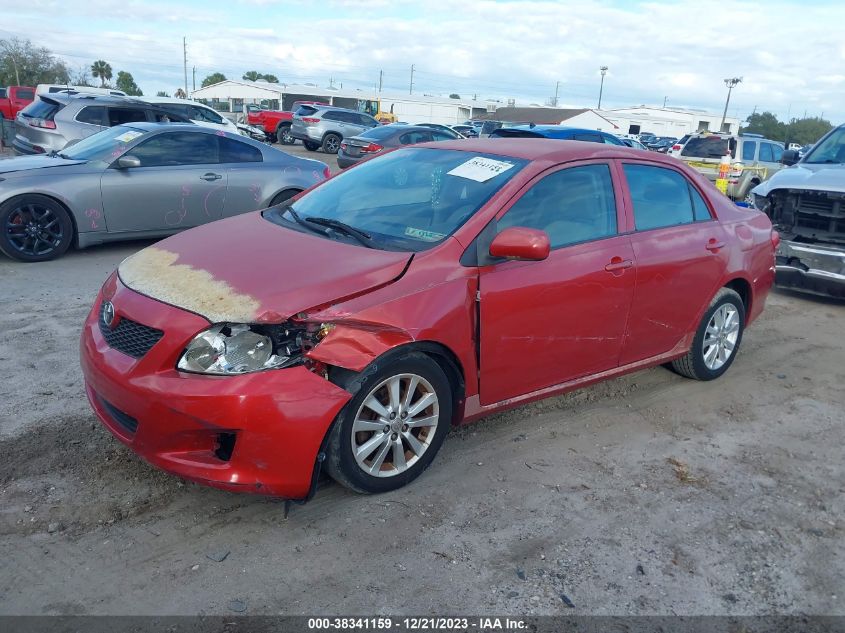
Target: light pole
{"type": "Point", "coordinates": [730, 83]}
{"type": "Point", "coordinates": [603, 70]}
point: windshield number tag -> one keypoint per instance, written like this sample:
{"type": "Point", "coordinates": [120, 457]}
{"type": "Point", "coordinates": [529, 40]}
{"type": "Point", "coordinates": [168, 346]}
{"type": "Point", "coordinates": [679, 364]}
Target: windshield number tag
{"type": "Point", "coordinates": [480, 169]}
{"type": "Point", "coordinates": [421, 234]}
{"type": "Point", "coordinates": [126, 137]}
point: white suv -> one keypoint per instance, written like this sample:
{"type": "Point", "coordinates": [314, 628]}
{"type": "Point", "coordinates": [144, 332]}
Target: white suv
{"type": "Point", "coordinates": [196, 112]}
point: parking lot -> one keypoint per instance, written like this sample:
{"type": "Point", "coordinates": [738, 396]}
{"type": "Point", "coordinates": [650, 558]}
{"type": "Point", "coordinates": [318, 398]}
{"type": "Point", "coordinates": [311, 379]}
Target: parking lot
{"type": "Point", "coordinates": [648, 494]}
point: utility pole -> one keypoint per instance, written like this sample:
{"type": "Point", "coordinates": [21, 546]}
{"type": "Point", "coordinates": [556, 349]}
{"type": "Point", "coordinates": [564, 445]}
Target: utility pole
{"type": "Point", "coordinates": [411, 90]}
{"type": "Point", "coordinates": [185, 61]}
{"type": "Point", "coordinates": [557, 87]}
{"type": "Point", "coordinates": [664, 102]}
{"type": "Point", "coordinates": [603, 70]}
{"type": "Point", "coordinates": [731, 84]}
{"type": "Point", "coordinates": [380, 79]}
{"type": "Point", "coordinates": [195, 78]}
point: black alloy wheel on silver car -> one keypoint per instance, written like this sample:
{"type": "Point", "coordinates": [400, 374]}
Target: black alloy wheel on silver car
{"type": "Point", "coordinates": [717, 339]}
{"type": "Point", "coordinates": [35, 228]}
{"type": "Point", "coordinates": [283, 135]}
{"type": "Point", "coordinates": [392, 428]}
{"type": "Point", "coordinates": [331, 143]}
{"type": "Point", "coordinates": [311, 146]}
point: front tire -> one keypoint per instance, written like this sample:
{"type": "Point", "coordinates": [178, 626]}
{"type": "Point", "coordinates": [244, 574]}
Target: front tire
{"type": "Point", "coordinates": [331, 143]}
{"type": "Point", "coordinates": [717, 339]}
{"type": "Point", "coordinates": [392, 428]}
{"type": "Point", "coordinates": [35, 228]}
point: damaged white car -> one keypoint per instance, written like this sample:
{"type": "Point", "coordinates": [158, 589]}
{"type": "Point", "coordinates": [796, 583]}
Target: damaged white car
{"type": "Point", "coordinates": [806, 204]}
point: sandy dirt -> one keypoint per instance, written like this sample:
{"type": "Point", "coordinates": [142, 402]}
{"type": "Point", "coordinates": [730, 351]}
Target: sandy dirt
{"type": "Point", "coordinates": [649, 494]}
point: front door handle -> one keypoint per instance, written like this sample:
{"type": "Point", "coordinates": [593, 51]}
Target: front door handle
{"type": "Point", "coordinates": [713, 246]}
{"type": "Point", "coordinates": [209, 176]}
{"type": "Point", "coordinates": [617, 263]}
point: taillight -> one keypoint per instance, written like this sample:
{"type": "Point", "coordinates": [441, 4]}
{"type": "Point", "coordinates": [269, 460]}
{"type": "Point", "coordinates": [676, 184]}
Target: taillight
{"type": "Point", "coordinates": [45, 123]}
{"type": "Point", "coordinates": [775, 239]}
{"type": "Point", "coordinates": [327, 172]}
{"type": "Point", "coordinates": [310, 120]}
{"type": "Point", "coordinates": [675, 148]}
{"type": "Point", "coordinates": [343, 146]}
{"type": "Point", "coordinates": [372, 147]}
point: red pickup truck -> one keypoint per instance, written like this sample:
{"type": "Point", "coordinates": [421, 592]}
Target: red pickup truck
{"type": "Point", "coordinates": [14, 99]}
{"type": "Point", "coordinates": [276, 123]}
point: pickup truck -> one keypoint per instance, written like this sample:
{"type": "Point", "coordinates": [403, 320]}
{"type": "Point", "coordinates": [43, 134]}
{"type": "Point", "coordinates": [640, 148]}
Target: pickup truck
{"type": "Point", "coordinates": [14, 99]}
{"type": "Point", "coordinates": [276, 123]}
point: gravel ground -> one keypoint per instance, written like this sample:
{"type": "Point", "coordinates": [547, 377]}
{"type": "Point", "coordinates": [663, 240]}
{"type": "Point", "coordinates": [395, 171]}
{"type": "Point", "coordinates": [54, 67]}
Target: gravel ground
{"type": "Point", "coordinates": [649, 494]}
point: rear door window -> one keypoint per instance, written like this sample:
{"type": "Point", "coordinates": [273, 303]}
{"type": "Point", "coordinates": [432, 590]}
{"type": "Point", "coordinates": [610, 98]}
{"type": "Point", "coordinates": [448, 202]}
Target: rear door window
{"type": "Point", "coordinates": [172, 149]}
{"type": "Point", "coordinates": [233, 151]}
{"type": "Point", "coordinates": [766, 155]}
{"type": "Point", "coordinates": [119, 116]}
{"type": "Point", "coordinates": [95, 115]}
{"type": "Point", "coordinates": [661, 197]}
{"type": "Point", "coordinates": [418, 136]}
{"type": "Point", "coordinates": [777, 151]}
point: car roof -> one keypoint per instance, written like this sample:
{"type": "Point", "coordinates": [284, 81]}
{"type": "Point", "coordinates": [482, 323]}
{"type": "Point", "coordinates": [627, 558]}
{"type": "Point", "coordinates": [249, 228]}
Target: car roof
{"type": "Point", "coordinates": [63, 97]}
{"type": "Point", "coordinates": [547, 149]}
{"type": "Point", "coordinates": [551, 129]}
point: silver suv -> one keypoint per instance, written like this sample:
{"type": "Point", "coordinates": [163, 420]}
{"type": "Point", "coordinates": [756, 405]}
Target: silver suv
{"type": "Point", "coordinates": [326, 126]}
{"type": "Point", "coordinates": [52, 121]}
{"type": "Point", "coordinates": [754, 159]}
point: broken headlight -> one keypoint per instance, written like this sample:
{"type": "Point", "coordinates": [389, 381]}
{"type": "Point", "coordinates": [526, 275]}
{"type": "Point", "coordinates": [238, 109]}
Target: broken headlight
{"type": "Point", "coordinates": [237, 348]}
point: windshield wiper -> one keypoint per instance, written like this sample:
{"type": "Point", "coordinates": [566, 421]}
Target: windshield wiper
{"type": "Point", "coordinates": [365, 238]}
{"type": "Point", "coordinates": [310, 226]}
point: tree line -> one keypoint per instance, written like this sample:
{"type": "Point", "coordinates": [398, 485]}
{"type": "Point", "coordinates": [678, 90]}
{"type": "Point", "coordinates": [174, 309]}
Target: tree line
{"type": "Point", "coordinates": [803, 131]}
{"type": "Point", "coordinates": [252, 75]}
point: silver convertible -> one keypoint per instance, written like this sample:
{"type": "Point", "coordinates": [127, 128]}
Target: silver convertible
{"type": "Point", "coordinates": [143, 180]}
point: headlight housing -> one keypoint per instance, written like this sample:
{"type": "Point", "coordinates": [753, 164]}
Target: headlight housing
{"type": "Point", "coordinates": [230, 349]}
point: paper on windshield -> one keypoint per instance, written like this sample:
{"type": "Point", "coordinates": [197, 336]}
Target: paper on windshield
{"type": "Point", "coordinates": [480, 169]}
{"type": "Point", "coordinates": [128, 136]}
{"type": "Point", "coordinates": [422, 234]}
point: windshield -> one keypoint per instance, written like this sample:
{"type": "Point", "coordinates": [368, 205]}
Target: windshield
{"type": "Point", "coordinates": [831, 149]}
{"type": "Point", "coordinates": [410, 199]}
{"type": "Point", "coordinates": [106, 145]}
{"type": "Point", "coordinates": [709, 147]}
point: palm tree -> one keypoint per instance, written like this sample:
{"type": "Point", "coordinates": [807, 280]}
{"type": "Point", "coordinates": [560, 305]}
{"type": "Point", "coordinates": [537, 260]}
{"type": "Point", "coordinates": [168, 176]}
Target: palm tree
{"type": "Point", "coordinates": [101, 69]}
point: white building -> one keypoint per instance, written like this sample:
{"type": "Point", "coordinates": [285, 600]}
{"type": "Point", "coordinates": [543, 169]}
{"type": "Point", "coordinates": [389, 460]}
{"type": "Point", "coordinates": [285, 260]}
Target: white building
{"type": "Point", "coordinates": [232, 95]}
{"type": "Point", "coordinates": [659, 121]}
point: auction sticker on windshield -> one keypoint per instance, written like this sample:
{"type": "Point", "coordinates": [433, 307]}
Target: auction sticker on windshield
{"type": "Point", "coordinates": [128, 136]}
{"type": "Point", "coordinates": [480, 169]}
{"type": "Point", "coordinates": [422, 234]}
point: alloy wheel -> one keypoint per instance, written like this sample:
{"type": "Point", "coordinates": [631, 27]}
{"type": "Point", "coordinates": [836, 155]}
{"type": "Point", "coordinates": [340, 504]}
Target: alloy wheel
{"type": "Point", "coordinates": [34, 230]}
{"type": "Point", "coordinates": [395, 425]}
{"type": "Point", "coordinates": [720, 336]}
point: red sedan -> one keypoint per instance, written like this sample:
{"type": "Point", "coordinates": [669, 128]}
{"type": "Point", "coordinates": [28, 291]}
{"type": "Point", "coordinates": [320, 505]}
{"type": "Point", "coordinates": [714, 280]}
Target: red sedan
{"type": "Point", "coordinates": [428, 287]}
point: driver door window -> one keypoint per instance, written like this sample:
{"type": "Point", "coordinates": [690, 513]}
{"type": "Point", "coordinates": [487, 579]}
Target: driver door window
{"type": "Point", "coordinates": [571, 206]}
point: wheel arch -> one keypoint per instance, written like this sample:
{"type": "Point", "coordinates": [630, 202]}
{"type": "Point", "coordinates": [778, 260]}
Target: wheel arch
{"type": "Point", "coordinates": [743, 288]}
{"type": "Point", "coordinates": [330, 132]}
{"type": "Point", "coordinates": [294, 191]}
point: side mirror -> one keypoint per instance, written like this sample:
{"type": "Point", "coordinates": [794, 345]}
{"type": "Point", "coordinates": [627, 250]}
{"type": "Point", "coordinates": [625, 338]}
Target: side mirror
{"type": "Point", "coordinates": [128, 162]}
{"type": "Point", "coordinates": [790, 157]}
{"type": "Point", "coordinates": [518, 242]}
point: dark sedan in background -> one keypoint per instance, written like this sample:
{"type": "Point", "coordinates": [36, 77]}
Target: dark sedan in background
{"type": "Point", "coordinates": [558, 132]}
{"type": "Point", "coordinates": [143, 180]}
{"type": "Point", "coordinates": [378, 139]}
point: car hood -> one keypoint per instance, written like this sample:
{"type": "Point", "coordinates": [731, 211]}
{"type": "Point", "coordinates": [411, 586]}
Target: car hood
{"type": "Point", "coordinates": [812, 177]}
{"type": "Point", "coordinates": [26, 163]}
{"type": "Point", "coordinates": [248, 270]}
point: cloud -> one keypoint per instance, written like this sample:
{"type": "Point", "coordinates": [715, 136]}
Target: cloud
{"type": "Point", "coordinates": [681, 50]}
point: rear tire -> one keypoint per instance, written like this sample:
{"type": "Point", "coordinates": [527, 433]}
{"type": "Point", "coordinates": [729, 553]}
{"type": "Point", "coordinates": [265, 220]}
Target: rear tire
{"type": "Point", "coordinates": [34, 228]}
{"type": "Point", "coordinates": [311, 146]}
{"type": "Point", "coordinates": [331, 143]}
{"type": "Point", "coordinates": [716, 342]}
{"type": "Point", "coordinates": [390, 441]}
{"type": "Point", "coordinates": [283, 136]}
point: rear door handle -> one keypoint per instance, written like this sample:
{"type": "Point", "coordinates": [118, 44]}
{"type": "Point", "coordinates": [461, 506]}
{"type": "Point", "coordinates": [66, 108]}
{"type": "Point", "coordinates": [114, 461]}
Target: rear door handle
{"type": "Point", "coordinates": [617, 263]}
{"type": "Point", "coordinates": [210, 176]}
{"type": "Point", "coordinates": [714, 246]}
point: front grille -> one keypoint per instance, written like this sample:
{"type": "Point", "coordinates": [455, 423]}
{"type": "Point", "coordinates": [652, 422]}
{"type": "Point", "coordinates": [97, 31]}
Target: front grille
{"type": "Point", "coordinates": [125, 420]}
{"type": "Point", "coordinates": [129, 337]}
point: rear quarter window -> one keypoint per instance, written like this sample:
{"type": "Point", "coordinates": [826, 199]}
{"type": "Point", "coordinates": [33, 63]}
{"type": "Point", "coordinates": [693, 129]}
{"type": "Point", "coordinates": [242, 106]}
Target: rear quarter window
{"type": "Point", "coordinates": [232, 151]}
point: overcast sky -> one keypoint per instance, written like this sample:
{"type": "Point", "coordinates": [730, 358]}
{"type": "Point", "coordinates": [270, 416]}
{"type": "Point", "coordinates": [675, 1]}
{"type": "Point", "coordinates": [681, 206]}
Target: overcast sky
{"type": "Point", "coordinates": [790, 54]}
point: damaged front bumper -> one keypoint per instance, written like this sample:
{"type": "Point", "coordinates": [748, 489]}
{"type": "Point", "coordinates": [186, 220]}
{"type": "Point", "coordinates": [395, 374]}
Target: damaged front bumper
{"type": "Point", "coordinates": [814, 268]}
{"type": "Point", "coordinates": [259, 432]}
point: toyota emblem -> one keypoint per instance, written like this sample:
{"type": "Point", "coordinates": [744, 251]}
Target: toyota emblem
{"type": "Point", "coordinates": [108, 313]}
